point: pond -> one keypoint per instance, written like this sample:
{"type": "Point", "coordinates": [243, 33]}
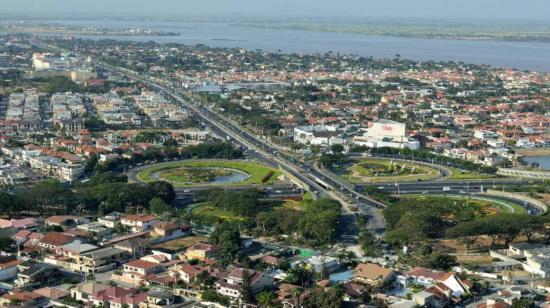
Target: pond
{"type": "Point", "coordinates": [200, 175]}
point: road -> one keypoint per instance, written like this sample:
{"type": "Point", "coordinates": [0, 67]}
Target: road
{"type": "Point", "coordinates": [437, 186]}
{"type": "Point", "coordinates": [319, 185]}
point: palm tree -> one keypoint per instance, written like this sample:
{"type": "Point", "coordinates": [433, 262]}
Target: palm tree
{"type": "Point", "coordinates": [266, 299]}
{"type": "Point", "coordinates": [296, 292]}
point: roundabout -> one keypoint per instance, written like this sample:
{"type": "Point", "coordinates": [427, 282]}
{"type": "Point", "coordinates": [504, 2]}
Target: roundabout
{"type": "Point", "coordinates": [217, 173]}
{"type": "Point", "coordinates": [377, 170]}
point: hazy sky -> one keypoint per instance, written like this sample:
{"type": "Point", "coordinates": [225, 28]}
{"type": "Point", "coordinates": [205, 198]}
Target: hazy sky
{"type": "Point", "coordinates": [461, 9]}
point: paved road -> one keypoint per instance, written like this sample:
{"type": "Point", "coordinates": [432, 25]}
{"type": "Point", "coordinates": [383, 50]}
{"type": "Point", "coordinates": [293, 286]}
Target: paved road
{"type": "Point", "coordinates": [438, 186]}
{"type": "Point", "coordinates": [319, 185]}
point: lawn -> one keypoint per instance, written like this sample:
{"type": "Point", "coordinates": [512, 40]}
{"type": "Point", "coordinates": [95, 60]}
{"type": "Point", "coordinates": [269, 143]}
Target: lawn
{"type": "Point", "coordinates": [173, 172]}
{"type": "Point", "coordinates": [372, 170]}
{"type": "Point", "coordinates": [484, 206]}
{"type": "Point", "coordinates": [207, 209]}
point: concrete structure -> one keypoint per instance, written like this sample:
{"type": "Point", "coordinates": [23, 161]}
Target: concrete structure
{"type": "Point", "coordinates": [138, 223]}
{"type": "Point", "coordinates": [317, 135]}
{"type": "Point", "coordinates": [230, 284]}
{"type": "Point", "coordinates": [387, 133]}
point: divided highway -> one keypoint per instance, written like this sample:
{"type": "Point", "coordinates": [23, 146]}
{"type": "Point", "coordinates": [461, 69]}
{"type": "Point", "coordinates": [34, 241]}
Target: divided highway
{"type": "Point", "coordinates": [319, 185]}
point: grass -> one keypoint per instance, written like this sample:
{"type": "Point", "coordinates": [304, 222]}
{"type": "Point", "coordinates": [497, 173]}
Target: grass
{"type": "Point", "coordinates": [255, 171]}
{"type": "Point", "coordinates": [207, 209]}
{"type": "Point", "coordinates": [485, 205]}
{"type": "Point", "coordinates": [368, 171]}
{"type": "Point", "coordinates": [468, 175]}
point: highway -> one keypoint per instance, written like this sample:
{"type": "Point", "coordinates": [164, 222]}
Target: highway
{"type": "Point", "coordinates": [455, 186]}
{"type": "Point", "coordinates": [319, 185]}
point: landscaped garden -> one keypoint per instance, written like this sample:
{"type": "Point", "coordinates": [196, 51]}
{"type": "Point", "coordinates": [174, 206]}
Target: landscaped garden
{"type": "Point", "coordinates": [371, 170]}
{"type": "Point", "coordinates": [209, 172]}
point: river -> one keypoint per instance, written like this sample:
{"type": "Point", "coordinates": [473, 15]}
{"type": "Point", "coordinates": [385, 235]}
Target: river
{"type": "Point", "coordinates": [521, 55]}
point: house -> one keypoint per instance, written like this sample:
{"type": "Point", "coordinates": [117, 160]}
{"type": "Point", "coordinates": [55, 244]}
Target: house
{"type": "Point", "coordinates": [96, 228]}
{"type": "Point", "coordinates": [118, 297]}
{"type": "Point", "coordinates": [101, 260]}
{"type": "Point", "coordinates": [134, 272]}
{"type": "Point", "coordinates": [51, 294]}
{"type": "Point", "coordinates": [54, 240]}
{"type": "Point", "coordinates": [27, 238]}
{"type": "Point", "coordinates": [230, 283]}
{"type": "Point", "coordinates": [186, 272]}
{"type": "Point", "coordinates": [373, 274]}
{"type": "Point", "coordinates": [323, 264]}
{"type": "Point", "coordinates": [110, 220]}
{"type": "Point", "coordinates": [84, 290]}
{"type": "Point", "coordinates": [354, 291]}
{"type": "Point", "coordinates": [134, 246]}
{"type": "Point", "coordinates": [271, 261]}
{"type": "Point", "coordinates": [138, 223]}
{"type": "Point", "coordinates": [74, 249]}
{"type": "Point", "coordinates": [23, 298]}
{"type": "Point", "coordinates": [65, 221]}
{"type": "Point", "coordinates": [37, 274]}
{"type": "Point", "coordinates": [429, 299]}
{"type": "Point", "coordinates": [165, 231]}
{"type": "Point", "coordinates": [8, 267]}
{"type": "Point", "coordinates": [161, 298]}
{"type": "Point", "coordinates": [442, 280]}
{"type": "Point", "coordinates": [201, 251]}
{"type": "Point", "coordinates": [20, 224]}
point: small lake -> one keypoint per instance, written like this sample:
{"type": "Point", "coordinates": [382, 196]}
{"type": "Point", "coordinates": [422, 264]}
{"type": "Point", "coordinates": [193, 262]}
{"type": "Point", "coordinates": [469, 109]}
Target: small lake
{"type": "Point", "coordinates": [230, 176]}
{"type": "Point", "coordinates": [233, 177]}
{"type": "Point", "coordinates": [543, 161]}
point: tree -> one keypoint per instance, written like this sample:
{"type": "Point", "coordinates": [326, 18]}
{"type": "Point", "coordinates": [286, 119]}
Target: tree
{"type": "Point", "coordinates": [9, 204]}
{"type": "Point", "coordinates": [441, 261]}
{"type": "Point", "coordinates": [266, 299]}
{"type": "Point", "coordinates": [228, 239]}
{"type": "Point", "coordinates": [7, 244]}
{"type": "Point", "coordinates": [158, 206]}
{"type": "Point", "coordinates": [523, 303]}
{"type": "Point", "coordinates": [101, 210]}
{"type": "Point", "coordinates": [332, 298]}
{"type": "Point", "coordinates": [337, 148]}
{"type": "Point", "coordinates": [369, 244]}
{"type": "Point", "coordinates": [300, 276]}
{"type": "Point", "coordinates": [204, 279]}
{"type": "Point", "coordinates": [319, 224]}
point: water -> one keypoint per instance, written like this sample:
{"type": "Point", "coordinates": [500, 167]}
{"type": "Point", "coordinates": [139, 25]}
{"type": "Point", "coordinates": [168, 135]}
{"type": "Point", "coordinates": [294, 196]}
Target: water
{"type": "Point", "coordinates": [544, 161]}
{"type": "Point", "coordinates": [233, 177]}
{"type": "Point", "coordinates": [521, 55]}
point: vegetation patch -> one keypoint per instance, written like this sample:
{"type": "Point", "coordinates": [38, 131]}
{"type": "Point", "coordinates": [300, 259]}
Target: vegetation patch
{"type": "Point", "coordinates": [204, 172]}
{"type": "Point", "coordinates": [421, 217]}
{"type": "Point", "coordinates": [372, 170]}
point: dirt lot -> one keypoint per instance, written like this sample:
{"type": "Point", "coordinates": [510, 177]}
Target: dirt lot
{"type": "Point", "coordinates": [181, 243]}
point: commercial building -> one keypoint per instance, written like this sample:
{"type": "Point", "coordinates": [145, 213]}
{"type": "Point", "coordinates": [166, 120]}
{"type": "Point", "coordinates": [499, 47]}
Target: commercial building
{"type": "Point", "coordinates": [387, 133]}
{"type": "Point", "coordinates": [317, 135]}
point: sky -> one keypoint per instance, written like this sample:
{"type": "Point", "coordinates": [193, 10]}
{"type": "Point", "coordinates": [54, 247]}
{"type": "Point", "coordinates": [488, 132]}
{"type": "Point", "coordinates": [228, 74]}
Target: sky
{"type": "Point", "coordinates": [437, 9]}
